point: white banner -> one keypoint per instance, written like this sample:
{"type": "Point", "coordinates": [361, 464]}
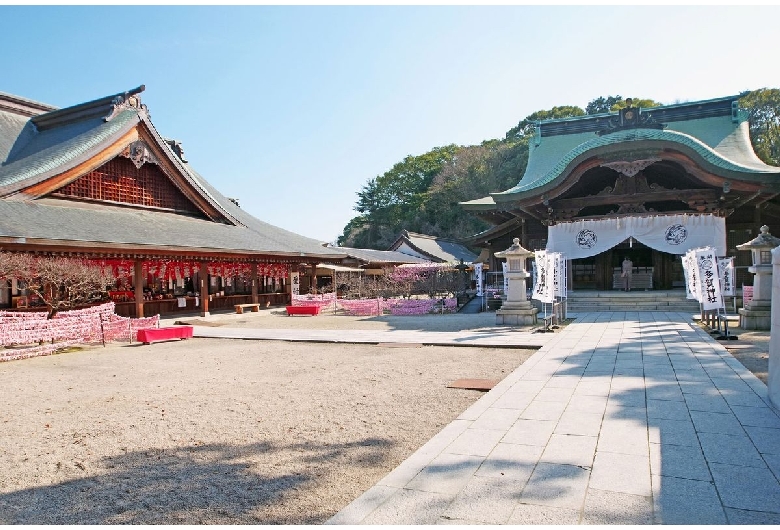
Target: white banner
{"type": "Point", "coordinates": [478, 274]}
{"type": "Point", "coordinates": [295, 283]}
{"type": "Point", "coordinates": [691, 276]}
{"type": "Point", "coordinates": [726, 270]}
{"type": "Point", "coordinates": [544, 290]}
{"type": "Point", "coordinates": [559, 274]}
{"type": "Point", "coordinates": [707, 265]}
{"type": "Point", "coordinates": [675, 234]}
{"type": "Point", "coordinates": [505, 267]}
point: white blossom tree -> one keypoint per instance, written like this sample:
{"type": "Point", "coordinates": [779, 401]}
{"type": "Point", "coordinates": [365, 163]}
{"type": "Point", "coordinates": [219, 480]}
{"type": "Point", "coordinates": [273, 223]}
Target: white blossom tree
{"type": "Point", "coordinates": [61, 283]}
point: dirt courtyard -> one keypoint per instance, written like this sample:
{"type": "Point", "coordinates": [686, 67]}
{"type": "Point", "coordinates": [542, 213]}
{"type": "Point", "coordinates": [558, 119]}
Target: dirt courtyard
{"type": "Point", "coordinates": [226, 431]}
{"type": "Point", "coordinates": [209, 431]}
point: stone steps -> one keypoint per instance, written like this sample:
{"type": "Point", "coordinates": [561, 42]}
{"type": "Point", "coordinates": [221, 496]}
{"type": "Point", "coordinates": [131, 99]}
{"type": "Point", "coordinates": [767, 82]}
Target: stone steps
{"type": "Point", "coordinates": [583, 301]}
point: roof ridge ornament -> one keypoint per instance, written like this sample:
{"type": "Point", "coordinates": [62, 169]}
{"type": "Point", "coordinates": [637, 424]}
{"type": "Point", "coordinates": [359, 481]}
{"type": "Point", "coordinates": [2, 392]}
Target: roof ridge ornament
{"type": "Point", "coordinates": [128, 100]}
{"type": "Point", "coordinates": [630, 117]}
{"type": "Point", "coordinates": [176, 147]}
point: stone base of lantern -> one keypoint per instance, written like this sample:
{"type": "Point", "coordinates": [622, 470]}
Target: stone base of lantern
{"type": "Point", "coordinates": [517, 314]}
{"type": "Point", "coordinates": [757, 315]}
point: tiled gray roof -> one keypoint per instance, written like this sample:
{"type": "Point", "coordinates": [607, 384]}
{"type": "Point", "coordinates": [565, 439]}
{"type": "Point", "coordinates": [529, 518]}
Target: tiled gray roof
{"type": "Point", "coordinates": [62, 222]}
{"type": "Point", "coordinates": [438, 248]}
{"type": "Point", "coordinates": [52, 151]}
{"type": "Point", "coordinates": [65, 138]}
{"type": "Point", "coordinates": [11, 127]}
{"type": "Point", "coordinates": [379, 256]}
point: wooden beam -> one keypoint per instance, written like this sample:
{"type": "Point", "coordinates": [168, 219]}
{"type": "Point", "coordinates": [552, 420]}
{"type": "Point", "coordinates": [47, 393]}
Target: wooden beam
{"type": "Point", "coordinates": [656, 196]}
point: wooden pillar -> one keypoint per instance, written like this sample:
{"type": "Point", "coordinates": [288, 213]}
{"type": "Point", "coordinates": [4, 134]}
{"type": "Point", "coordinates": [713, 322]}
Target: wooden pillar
{"type": "Point", "coordinates": [604, 271]}
{"type": "Point", "coordinates": [204, 289]}
{"type": "Point", "coordinates": [524, 235]}
{"type": "Point", "coordinates": [138, 287]}
{"type": "Point", "coordinates": [254, 283]}
{"type": "Point", "coordinates": [659, 272]}
{"type": "Point", "coordinates": [313, 278]}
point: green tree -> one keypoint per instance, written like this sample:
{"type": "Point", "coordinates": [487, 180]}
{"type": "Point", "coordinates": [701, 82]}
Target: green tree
{"type": "Point", "coordinates": [494, 165]}
{"type": "Point", "coordinates": [527, 124]}
{"type": "Point", "coordinates": [763, 108]}
{"type": "Point", "coordinates": [635, 102]}
{"type": "Point", "coordinates": [602, 104]}
{"type": "Point", "coordinates": [388, 201]}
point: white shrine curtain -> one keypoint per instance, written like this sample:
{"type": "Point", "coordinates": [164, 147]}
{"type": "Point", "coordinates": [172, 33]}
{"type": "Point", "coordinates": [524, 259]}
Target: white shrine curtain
{"type": "Point", "coordinates": [675, 234]}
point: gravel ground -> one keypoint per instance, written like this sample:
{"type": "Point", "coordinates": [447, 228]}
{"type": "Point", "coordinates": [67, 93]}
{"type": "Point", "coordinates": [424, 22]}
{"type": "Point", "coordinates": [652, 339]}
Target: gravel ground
{"type": "Point", "coordinates": [226, 432]}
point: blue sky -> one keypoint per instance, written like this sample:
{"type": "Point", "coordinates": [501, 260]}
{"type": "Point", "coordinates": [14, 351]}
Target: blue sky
{"type": "Point", "coordinates": [292, 109]}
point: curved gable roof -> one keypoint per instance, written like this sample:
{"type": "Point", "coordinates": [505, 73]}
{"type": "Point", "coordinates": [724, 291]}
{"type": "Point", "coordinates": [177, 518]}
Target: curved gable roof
{"type": "Point", "coordinates": [626, 140]}
{"type": "Point", "coordinates": [714, 132]}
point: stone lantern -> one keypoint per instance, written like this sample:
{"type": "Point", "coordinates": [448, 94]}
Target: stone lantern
{"type": "Point", "coordinates": [757, 313]}
{"type": "Point", "coordinates": [517, 309]}
{"type": "Point", "coordinates": [462, 268]}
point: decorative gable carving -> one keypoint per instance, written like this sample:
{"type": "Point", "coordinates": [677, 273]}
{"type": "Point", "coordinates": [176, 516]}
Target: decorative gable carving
{"type": "Point", "coordinates": [139, 153]}
{"type": "Point", "coordinates": [631, 168]}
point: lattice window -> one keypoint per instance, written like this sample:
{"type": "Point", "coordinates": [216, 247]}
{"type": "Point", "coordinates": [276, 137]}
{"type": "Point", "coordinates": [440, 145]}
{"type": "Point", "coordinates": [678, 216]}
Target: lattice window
{"type": "Point", "coordinates": [119, 181]}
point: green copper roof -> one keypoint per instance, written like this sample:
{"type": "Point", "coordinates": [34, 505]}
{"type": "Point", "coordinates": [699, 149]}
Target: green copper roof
{"type": "Point", "coordinates": [631, 138]}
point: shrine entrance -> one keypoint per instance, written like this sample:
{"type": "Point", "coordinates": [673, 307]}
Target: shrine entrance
{"type": "Point", "coordinates": [652, 269]}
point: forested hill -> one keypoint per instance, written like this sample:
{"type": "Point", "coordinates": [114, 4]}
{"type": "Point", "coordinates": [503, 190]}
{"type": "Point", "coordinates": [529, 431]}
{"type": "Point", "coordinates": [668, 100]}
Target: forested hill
{"type": "Point", "coordinates": [421, 193]}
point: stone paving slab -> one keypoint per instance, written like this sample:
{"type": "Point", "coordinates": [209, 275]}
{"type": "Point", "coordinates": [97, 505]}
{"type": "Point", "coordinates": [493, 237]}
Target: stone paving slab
{"type": "Point", "coordinates": [619, 418]}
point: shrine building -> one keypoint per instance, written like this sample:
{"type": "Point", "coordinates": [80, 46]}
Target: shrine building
{"type": "Point", "coordinates": [644, 184]}
{"type": "Point", "coordinates": [97, 181]}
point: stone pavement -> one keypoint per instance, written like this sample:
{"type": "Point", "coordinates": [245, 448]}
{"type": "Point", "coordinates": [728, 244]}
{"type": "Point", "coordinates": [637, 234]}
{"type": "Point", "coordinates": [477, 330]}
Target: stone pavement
{"type": "Point", "coordinates": [625, 418]}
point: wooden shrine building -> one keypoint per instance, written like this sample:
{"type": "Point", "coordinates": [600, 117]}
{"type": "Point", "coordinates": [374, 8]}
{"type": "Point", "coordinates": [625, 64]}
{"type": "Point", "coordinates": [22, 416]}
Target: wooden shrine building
{"type": "Point", "coordinates": [647, 184]}
{"type": "Point", "coordinates": [97, 181]}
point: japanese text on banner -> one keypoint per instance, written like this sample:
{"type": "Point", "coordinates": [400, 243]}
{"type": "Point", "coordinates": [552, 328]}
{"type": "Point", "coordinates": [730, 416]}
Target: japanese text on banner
{"type": "Point", "coordinates": [707, 265]}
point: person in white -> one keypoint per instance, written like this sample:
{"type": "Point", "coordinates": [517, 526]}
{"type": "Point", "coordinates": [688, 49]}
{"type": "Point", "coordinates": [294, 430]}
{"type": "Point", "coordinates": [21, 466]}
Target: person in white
{"type": "Point", "coordinates": [628, 268]}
